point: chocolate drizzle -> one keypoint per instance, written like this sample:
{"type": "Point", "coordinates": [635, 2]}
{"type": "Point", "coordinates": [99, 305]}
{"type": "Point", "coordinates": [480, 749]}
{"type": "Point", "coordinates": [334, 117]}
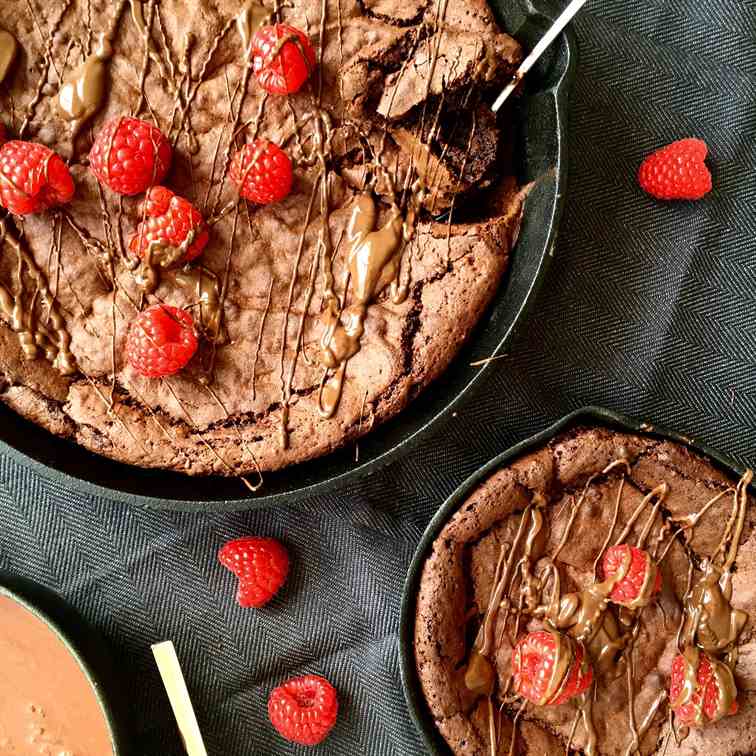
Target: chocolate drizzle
{"type": "Point", "coordinates": [320, 156]}
{"type": "Point", "coordinates": [20, 307]}
{"type": "Point", "coordinates": [251, 18]}
{"type": "Point", "coordinates": [373, 260]}
{"type": "Point", "coordinates": [204, 285]}
{"type": "Point", "coordinates": [520, 590]}
{"type": "Point", "coordinates": [137, 16]}
{"type": "Point", "coordinates": [639, 730]}
{"type": "Point", "coordinates": [710, 626]}
{"type": "Point", "coordinates": [82, 92]}
{"type": "Point", "coordinates": [8, 48]}
{"type": "Point", "coordinates": [247, 23]}
{"type": "Point", "coordinates": [287, 379]}
{"type": "Point", "coordinates": [160, 256]}
{"type": "Point", "coordinates": [374, 250]}
{"type": "Point", "coordinates": [183, 111]}
{"type": "Point", "coordinates": [45, 64]}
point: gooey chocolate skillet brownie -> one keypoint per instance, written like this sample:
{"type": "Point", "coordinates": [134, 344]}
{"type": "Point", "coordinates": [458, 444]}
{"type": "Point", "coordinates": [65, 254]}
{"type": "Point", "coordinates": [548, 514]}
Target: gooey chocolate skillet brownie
{"type": "Point", "coordinates": [236, 237]}
{"type": "Point", "coordinates": [596, 596]}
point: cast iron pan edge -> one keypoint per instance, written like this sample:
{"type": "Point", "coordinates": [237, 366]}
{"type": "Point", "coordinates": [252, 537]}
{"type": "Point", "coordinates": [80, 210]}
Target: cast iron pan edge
{"type": "Point", "coordinates": [586, 416]}
{"type": "Point", "coordinates": [73, 467]}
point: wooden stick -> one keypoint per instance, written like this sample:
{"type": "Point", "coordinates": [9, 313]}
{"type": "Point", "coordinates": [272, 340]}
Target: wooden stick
{"type": "Point", "coordinates": [175, 685]}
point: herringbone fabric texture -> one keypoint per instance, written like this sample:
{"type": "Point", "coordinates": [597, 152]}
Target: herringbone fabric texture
{"type": "Point", "coordinates": [649, 309]}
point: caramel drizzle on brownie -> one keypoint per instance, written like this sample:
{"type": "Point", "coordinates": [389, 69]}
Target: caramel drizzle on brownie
{"type": "Point", "coordinates": [708, 623]}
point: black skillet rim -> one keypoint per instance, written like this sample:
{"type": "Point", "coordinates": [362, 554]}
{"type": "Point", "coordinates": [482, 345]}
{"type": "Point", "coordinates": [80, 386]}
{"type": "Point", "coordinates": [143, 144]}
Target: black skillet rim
{"type": "Point", "coordinates": [590, 415]}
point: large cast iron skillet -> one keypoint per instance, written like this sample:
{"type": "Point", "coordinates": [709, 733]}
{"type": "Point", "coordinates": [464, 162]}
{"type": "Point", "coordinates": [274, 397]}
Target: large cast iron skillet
{"type": "Point", "coordinates": [588, 416]}
{"type": "Point", "coordinates": [540, 150]}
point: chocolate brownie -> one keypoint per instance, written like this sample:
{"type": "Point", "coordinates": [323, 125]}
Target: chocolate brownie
{"type": "Point", "coordinates": [524, 553]}
{"type": "Point", "coordinates": [394, 116]}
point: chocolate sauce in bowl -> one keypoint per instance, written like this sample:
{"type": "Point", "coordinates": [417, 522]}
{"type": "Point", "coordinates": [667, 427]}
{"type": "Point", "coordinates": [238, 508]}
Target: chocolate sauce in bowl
{"type": "Point", "coordinates": [47, 704]}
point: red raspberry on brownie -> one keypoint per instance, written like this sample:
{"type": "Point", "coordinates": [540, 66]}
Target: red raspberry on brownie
{"type": "Point", "coordinates": [161, 341]}
{"type": "Point", "coordinates": [677, 171]}
{"type": "Point", "coordinates": [130, 155]}
{"type": "Point", "coordinates": [282, 58]}
{"type": "Point", "coordinates": [169, 220]}
{"type": "Point", "coordinates": [262, 171]}
{"type": "Point", "coordinates": [32, 178]}
{"type": "Point", "coordinates": [635, 575]}
{"type": "Point", "coordinates": [549, 668]}
{"type": "Point", "coordinates": [304, 709]}
{"type": "Point", "coordinates": [713, 695]}
{"type": "Point", "coordinates": [261, 564]}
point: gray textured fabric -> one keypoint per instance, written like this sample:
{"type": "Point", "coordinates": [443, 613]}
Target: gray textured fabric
{"type": "Point", "coordinates": [648, 309]}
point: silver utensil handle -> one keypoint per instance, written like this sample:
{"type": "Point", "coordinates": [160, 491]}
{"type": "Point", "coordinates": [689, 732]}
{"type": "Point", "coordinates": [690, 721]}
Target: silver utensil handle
{"type": "Point", "coordinates": [566, 16]}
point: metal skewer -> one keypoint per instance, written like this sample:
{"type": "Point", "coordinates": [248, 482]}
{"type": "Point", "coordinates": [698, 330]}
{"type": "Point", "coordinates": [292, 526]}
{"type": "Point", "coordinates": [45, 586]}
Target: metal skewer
{"type": "Point", "coordinates": [567, 15]}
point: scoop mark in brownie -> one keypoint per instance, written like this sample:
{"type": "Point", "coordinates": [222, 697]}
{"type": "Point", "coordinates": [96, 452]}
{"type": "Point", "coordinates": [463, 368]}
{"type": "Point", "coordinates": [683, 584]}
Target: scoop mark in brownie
{"type": "Point", "coordinates": [517, 567]}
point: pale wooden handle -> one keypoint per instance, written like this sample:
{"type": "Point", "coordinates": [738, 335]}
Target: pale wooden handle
{"type": "Point", "coordinates": [175, 685]}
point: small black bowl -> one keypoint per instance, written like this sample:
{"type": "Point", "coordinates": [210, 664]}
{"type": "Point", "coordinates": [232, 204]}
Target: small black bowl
{"type": "Point", "coordinates": [540, 152]}
{"type": "Point", "coordinates": [82, 642]}
{"type": "Point", "coordinates": [593, 416]}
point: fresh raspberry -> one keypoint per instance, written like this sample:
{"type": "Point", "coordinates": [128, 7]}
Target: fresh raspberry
{"type": "Point", "coordinates": [304, 709]}
{"type": "Point", "coordinates": [261, 564]}
{"type": "Point", "coordinates": [533, 660]}
{"type": "Point", "coordinates": [627, 591]}
{"type": "Point", "coordinates": [703, 704]}
{"type": "Point", "coordinates": [32, 178]}
{"type": "Point", "coordinates": [130, 155]}
{"type": "Point", "coordinates": [281, 67]}
{"type": "Point", "coordinates": [161, 340]}
{"type": "Point", "coordinates": [262, 171]}
{"type": "Point", "coordinates": [677, 171]}
{"type": "Point", "coordinates": [169, 220]}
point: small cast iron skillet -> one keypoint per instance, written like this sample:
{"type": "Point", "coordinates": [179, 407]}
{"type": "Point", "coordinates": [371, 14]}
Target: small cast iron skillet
{"type": "Point", "coordinates": [540, 157]}
{"type": "Point", "coordinates": [589, 416]}
{"type": "Point", "coordinates": [82, 642]}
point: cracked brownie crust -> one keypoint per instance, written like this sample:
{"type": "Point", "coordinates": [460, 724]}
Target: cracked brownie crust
{"type": "Point", "coordinates": [458, 581]}
{"type": "Point", "coordinates": [405, 81]}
